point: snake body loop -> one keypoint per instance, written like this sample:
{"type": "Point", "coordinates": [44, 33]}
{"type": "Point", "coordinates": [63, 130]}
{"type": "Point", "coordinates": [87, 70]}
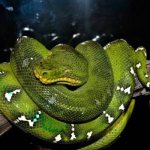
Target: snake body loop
{"type": "Point", "coordinates": [35, 91]}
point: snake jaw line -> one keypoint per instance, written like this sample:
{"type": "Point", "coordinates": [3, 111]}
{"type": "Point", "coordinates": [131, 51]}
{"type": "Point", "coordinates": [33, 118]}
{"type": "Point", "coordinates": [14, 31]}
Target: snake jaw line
{"type": "Point", "coordinates": [64, 80]}
{"type": "Point", "coordinates": [61, 80]}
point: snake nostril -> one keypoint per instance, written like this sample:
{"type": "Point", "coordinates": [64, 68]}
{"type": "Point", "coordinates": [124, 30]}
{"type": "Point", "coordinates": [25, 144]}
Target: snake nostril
{"type": "Point", "coordinates": [44, 73]}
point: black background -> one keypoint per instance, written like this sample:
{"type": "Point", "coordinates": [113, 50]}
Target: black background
{"type": "Point", "coordinates": [55, 21]}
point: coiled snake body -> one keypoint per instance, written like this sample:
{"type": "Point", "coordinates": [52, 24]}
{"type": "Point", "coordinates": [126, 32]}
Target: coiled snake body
{"type": "Point", "coordinates": [35, 91]}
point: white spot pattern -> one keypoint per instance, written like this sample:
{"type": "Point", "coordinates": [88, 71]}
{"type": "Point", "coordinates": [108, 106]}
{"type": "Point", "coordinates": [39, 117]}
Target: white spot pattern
{"type": "Point", "coordinates": [31, 122]}
{"type": "Point", "coordinates": [127, 90]}
{"type": "Point", "coordinates": [52, 100]}
{"type": "Point", "coordinates": [107, 46]}
{"type": "Point", "coordinates": [132, 71]}
{"type": "Point", "coordinates": [23, 118]}
{"type": "Point", "coordinates": [26, 62]}
{"type": "Point", "coordinates": [72, 129]}
{"type": "Point", "coordinates": [2, 72]}
{"type": "Point", "coordinates": [89, 134]}
{"type": "Point", "coordinates": [121, 107]}
{"type": "Point", "coordinates": [57, 138]}
{"type": "Point", "coordinates": [72, 134]}
{"type": "Point", "coordinates": [8, 95]}
{"type": "Point", "coordinates": [148, 84]}
{"type": "Point", "coordinates": [110, 119]}
{"type": "Point", "coordinates": [141, 49]}
{"type": "Point", "coordinates": [138, 65]}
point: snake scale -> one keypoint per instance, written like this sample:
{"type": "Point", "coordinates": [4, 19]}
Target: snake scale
{"type": "Point", "coordinates": [71, 96]}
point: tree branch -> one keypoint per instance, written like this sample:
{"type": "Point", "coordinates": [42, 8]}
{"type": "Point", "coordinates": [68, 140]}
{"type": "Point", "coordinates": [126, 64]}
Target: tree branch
{"type": "Point", "coordinates": [139, 90]}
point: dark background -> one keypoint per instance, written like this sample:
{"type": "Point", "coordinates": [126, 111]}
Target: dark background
{"type": "Point", "coordinates": [58, 21]}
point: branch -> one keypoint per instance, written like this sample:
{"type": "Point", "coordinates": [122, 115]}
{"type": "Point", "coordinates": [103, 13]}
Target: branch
{"type": "Point", "coordinates": [4, 125]}
{"type": "Point", "coordinates": [139, 90]}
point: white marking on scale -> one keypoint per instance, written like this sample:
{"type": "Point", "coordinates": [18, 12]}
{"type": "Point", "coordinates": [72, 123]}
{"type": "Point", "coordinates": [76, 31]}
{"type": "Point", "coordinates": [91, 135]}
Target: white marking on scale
{"type": "Point", "coordinates": [73, 129]}
{"type": "Point", "coordinates": [132, 71]}
{"type": "Point", "coordinates": [52, 100]}
{"type": "Point", "coordinates": [138, 65]}
{"type": "Point", "coordinates": [146, 75]}
{"type": "Point", "coordinates": [107, 46]}
{"type": "Point", "coordinates": [148, 84]}
{"type": "Point", "coordinates": [2, 72]}
{"type": "Point", "coordinates": [121, 107]}
{"type": "Point", "coordinates": [89, 134]}
{"type": "Point", "coordinates": [104, 112]}
{"type": "Point", "coordinates": [25, 62]}
{"type": "Point", "coordinates": [39, 112]}
{"type": "Point", "coordinates": [118, 88]}
{"type": "Point", "coordinates": [57, 138]}
{"type": "Point", "coordinates": [8, 95]}
{"type": "Point", "coordinates": [73, 136]}
{"type": "Point", "coordinates": [128, 90]}
{"type": "Point", "coordinates": [141, 49]}
{"type": "Point", "coordinates": [23, 118]}
{"type": "Point", "coordinates": [145, 54]}
{"type": "Point", "coordinates": [97, 102]}
{"type": "Point", "coordinates": [110, 119]}
{"type": "Point", "coordinates": [122, 89]}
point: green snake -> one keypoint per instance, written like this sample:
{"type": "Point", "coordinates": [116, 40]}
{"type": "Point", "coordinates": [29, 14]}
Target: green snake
{"type": "Point", "coordinates": [71, 96]}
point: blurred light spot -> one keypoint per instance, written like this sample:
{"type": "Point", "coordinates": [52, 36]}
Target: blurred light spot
{"type": "Point", "coordinates": [55, 38]}
{"type": "Point", "coordinates": [96, 38]}
{"type": "Point", "coordinates": [103, 34]}
{"type": "Point", "coordinates": [111, 35]}
{"type": "Point", "coordinates": [75, 35]}
{"type": "Point", "coordinates": [73, 23]}
{"type": "Point", "coordinates": [53, 34]}
{"type": "Point", "coordinates": [10, 8]}
{"type": "Point", "coordinates": [27, 29]}
{"type": "Point", "coordinates": [37, 16]}
{"type": "Point", "coordinates": [7, 49]}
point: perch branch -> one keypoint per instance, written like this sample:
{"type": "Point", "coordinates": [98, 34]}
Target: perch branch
{"type": "Point", "coordinates": [139, 90]}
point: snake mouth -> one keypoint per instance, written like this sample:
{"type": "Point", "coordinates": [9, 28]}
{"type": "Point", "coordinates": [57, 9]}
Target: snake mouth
{"type": "Point", "coordinates": [60, 80]}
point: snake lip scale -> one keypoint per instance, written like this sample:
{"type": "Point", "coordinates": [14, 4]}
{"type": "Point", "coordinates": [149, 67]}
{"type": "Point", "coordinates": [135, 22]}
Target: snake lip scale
{"type": "Point", "coordinates": [72, 96]}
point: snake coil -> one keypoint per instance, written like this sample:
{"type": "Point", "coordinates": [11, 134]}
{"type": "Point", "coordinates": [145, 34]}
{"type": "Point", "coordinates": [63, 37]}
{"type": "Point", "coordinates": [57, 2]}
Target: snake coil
{"type": "Point", "coordinates": [35, 92]}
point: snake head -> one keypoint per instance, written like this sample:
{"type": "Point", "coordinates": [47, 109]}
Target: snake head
{"type": "Point", "coordinates": [62, 66]}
